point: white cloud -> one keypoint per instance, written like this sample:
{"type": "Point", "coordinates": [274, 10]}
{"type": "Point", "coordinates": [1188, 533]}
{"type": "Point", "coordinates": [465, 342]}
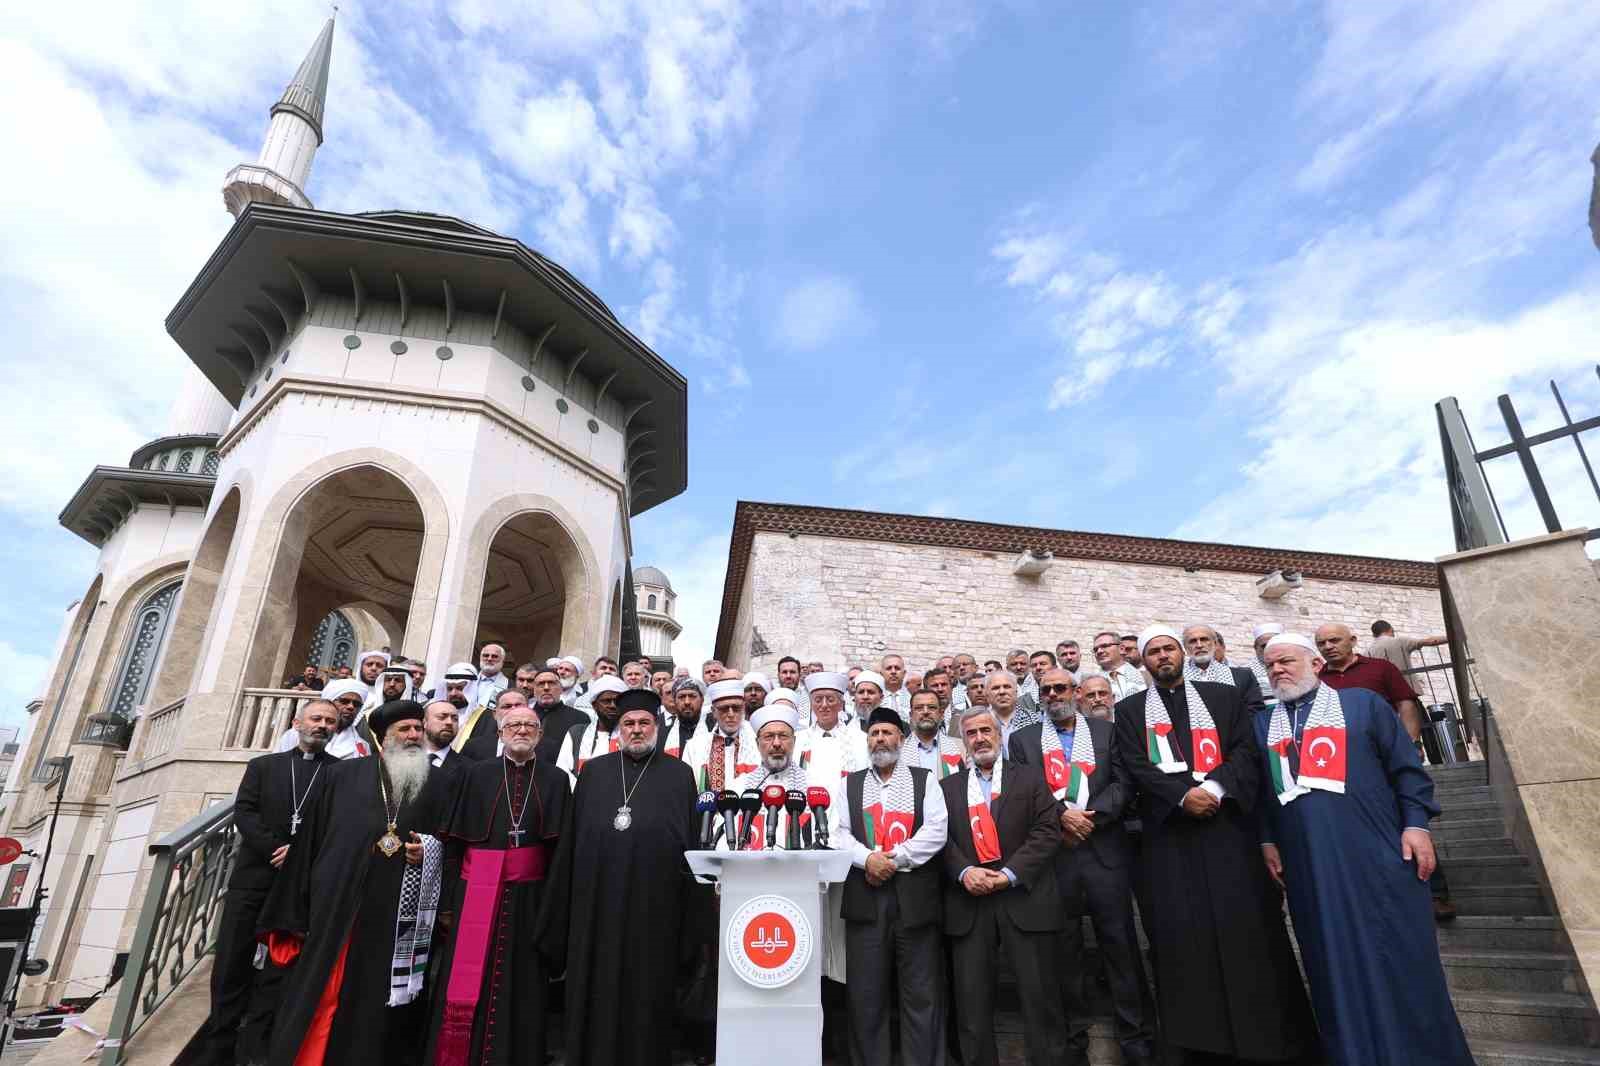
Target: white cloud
{"type": "Point", "coordinates": [817, 312]}
{"type": "Point", "coordinates": [694, 558]}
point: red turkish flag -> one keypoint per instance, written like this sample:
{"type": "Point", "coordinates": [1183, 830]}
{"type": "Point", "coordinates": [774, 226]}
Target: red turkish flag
{"type": "Point", "coordinates": [1207, 750]}
{"type": "Point", "coordinates": [1323, 754]}
{"type": "Point", "coordinates": [1056, 772]}
{"type": "Point", "coordinates": [985, 834]}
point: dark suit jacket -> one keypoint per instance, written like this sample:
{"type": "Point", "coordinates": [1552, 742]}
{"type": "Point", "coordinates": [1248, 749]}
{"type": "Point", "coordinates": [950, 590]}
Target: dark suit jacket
{"type": "Point", "coordinates": [1110, 791]}
{"type": "Point", "coordinates": [263, 807]}
{"type": "Point", "coordinates": [1025, 815]}
{"type": "Point", "coordinates": [1245, 681]}
{"type": "Point", "coordinates": [485, 739]}
{"type": "Point", "coordinates": [557, 724]}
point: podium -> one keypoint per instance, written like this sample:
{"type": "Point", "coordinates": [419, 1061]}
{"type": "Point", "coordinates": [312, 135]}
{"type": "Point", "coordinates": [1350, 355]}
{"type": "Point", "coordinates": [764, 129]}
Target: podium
{"type": "Point", "coordinates": [769, 951]}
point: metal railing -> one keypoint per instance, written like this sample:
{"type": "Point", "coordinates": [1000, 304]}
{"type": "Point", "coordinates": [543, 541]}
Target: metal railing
{"type": "Point", "coordinates": [1451, 735]}
{"type": "Point", "coordinates": [178, 922]}
{"type": "Point", "coordinates": [157, 731]}
{"type": "Point", "coordinates": [262, 714]}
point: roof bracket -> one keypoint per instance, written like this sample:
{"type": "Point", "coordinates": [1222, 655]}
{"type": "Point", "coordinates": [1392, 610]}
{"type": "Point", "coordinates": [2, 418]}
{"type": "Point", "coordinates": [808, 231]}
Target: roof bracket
{"type": "Point", "coordinates": [256, 344]}
{"type": "Point", "coordinates": [239, 359]}
{"type": "Point", "coordinates": [640, 434]}
{"type": "Point", "coordinates": [635, 409]}
{"type": "Point", "coordinates": [359, 291]}
{"type": "Point", "coordinates": [405, 299]}
{"type": "Point", "coordinates": [538, 346]}
{"type": "Point", "coordinates": [280, 304]}
{"type": "Point", "coordinates": [604, 385]}
{"type": "Point", "coordinates": [572, 368]}
{"type": "Point", "coordinates": [499, 314]}
{"type": "Point", "coordinates": [449, 307]}
{"type": "Point", "coordinates": [172, 505]}
{"type": "Point", "coordinates": [267, 320]}
{"type": "Point", "coordinates": [309, 290]}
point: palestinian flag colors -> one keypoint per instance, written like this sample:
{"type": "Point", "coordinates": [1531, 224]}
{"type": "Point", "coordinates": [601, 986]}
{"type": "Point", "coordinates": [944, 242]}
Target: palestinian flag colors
{"type": "Point", "coordinates": [1067, 773]}
{"type": "Point", "coordinates": [1321, 748]}
{"type": "Point", "coordinates": [885, 830]}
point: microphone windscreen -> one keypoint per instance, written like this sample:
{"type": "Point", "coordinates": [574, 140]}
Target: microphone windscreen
{"type": "Point", "coordinates": [795, 801]}
{"type": "Point", "coordinates": [750, 800]}
{"type": "Point", "coordinates": [706, 803]}
{"type": "Point", "coordinates": [817, 796]}
{"type": "Point", "coordinates": [773, 796]}
{"type": "Point", "coordinates": [728, 801]}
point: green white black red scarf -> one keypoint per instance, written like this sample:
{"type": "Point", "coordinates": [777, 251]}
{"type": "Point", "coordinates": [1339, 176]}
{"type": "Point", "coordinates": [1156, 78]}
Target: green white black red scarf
{"type": "Point", "coordinates": [1321, 746]}
{"type": "Point", "coordinates": [985, 834]}
{"type": "Point", "coordinates": [888, 809]}
{"type": "Point", "coordinates": [1207, 742]}
{"type": "Point", "coordinates": [1067, 773]}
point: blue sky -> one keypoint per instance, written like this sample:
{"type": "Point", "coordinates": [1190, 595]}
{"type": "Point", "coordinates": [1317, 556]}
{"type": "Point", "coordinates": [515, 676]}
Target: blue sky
{"type": "Point", "coordinates": [1166, 268]}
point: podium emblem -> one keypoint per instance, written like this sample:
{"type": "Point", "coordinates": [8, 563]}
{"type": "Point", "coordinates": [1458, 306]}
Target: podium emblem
{"type": "Point", "coordinates": [769, 941]}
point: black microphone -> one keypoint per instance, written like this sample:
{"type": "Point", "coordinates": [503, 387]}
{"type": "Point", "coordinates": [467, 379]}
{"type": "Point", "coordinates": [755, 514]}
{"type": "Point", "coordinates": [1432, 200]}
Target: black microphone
{"type": "Point", "coordinates": [728, 807]}
{"type": "Point", "coordinates": [772, 800]}
{"type": "Point", "coordinates": [795, 803]}
{"type": "Point", "coordinates": [818, 799]}
{"type": "Point", "coordinates": [749, 804]}
{"type": "Point", "coordinates": [706, 807]}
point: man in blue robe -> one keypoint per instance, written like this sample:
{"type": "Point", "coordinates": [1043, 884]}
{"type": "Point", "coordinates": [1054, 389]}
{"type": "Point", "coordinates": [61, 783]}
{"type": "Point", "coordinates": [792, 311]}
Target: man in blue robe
{"type": "Point", "coordinates": [1345, 808]}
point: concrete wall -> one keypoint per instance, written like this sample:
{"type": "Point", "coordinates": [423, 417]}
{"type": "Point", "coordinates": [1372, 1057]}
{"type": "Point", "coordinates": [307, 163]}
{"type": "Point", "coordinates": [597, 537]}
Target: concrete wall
{"type": "Point", "coordinates": [848, 602]}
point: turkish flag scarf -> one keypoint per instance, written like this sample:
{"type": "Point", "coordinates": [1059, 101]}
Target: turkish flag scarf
{"type": "Point", "coordinates": [1321, 747]}
{"type": "Point", "coordinates": [1067, 773]}
{"type": "Point", "coordinates": [1203, 735]}
{"type": "Point", "coordinates": [985, 834]}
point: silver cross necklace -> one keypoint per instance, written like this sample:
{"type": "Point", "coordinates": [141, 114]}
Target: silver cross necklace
{"type": "Point", "coordinates": [297, 799]}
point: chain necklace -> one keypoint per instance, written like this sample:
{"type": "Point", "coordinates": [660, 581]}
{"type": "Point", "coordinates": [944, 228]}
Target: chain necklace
{"type": "Point", "coordinates": [389, 843]}
{"type": "Point", "coordinates": [624, 816]}
{"type": "Point", "coordinates": [515, 833]}
{"type": "Point", "coordinates": [298, 800]}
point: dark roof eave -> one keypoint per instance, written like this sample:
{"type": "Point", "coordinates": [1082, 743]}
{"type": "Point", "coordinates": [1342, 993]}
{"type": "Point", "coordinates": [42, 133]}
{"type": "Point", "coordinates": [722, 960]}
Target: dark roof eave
{"type": "Point", "coordinates": [143, 486]}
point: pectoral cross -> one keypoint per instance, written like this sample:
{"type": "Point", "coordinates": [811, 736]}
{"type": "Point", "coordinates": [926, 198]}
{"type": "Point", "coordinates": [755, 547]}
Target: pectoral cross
{"type": "Point", "coordinates": [515, 836]}
{"type": "Point", "coordinates": [294, 823]}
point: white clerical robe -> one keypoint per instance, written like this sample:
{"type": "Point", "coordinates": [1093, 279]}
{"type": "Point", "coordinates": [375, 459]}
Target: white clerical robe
{"type": "Point", "coordinates": [739, 756]}
{"type": "Point", "coordinates": [829, 755]}
{"type": "Point", "coordinates": [591, 744]}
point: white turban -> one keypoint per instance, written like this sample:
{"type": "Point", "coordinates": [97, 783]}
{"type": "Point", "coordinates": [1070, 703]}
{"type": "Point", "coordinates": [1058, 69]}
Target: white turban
{"type": "Point", "coordinates": [552, 663]}
{"type": "Point", "coordinates": [461, 672]}
{"type": "Point", "coordinates": [721, 690]}
{"type": "Point", "coordinates": [756, 678]}
{"type": "Point", "coordinates": [782, 695]}
{"type": "Point", "coordinates": [577, 663]}
{"type": "Point", "coordinates": [607, 683]}
{"type": "Point", "coordinates": [1152, 632]}
{"type": "Point", "coordinates": [824, 679]}
{"type": "Point", "coordinates": [372, 655]}
{"type": "Point", "coordinates": [1265, 629]}
{"type": "Point", "coordinates": [1296, 640]}
{"type": "Point", "coordinates": [778, 712]}
{"type": "Point", "coordinates": [334, 689]}
{"type": "Point", "coordinates": [870, 677]}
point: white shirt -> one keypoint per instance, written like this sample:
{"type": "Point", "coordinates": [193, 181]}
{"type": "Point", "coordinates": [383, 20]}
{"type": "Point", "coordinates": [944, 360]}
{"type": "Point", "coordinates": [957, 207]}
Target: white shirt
{"type": "Point", "coordinates": [478, 690]}
{"type": "Point", "coordinates": [832, 752]}
{"type": "Point", "coordinates": [1125, 681]}
{"type": "Point", "coordinates": [924, 844]}
{"type": "Point", "coordinates": [900, 700]}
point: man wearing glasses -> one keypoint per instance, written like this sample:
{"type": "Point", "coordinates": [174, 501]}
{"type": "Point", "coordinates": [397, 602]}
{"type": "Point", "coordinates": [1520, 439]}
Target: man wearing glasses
{"type": "Point", "coordinates": [352, 738]}
{"type": "Point", "coordinates": [1125, 678]}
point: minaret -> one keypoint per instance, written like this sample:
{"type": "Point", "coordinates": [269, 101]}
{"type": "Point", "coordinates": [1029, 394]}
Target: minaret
{"type": "Point", "coordinates": [278, 176]}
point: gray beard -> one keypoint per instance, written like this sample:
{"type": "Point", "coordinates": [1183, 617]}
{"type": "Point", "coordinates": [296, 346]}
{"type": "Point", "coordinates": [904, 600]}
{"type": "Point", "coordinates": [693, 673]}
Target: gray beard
{"type": "Point", "coordinates": [883, 759]}
{"type": "Point", "coordinates": [986, 760]}
{"type": "Point", "coordinates": [1202, 661]}
{"type": "Point", "coordinates": [926, 734]}
{"type": "Point", "coordinates": [1293, 690]}
{"type": "Point", "coordinates": [1061, 710]}
{"type": "Point", "coordinates": [775, 764]}
{"type": "Point", "coordinates": [408, 771]}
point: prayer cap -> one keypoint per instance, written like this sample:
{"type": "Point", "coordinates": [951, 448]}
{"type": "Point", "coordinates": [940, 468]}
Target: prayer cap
{"type": "Point", "coordinates": [721, 690]}
{"type": "Point", "coordinates": [612, 683]}
{"type": "Point", "coordinates": [461, 672]}
{"type": "Point", "coordinates": [373, 655]}
{"type": "Point", "coordinates": [826, 679]}
{"type": "Point", "coordinates": [1265, 629]}
{"type": "Point", "coordinates": [756, 678]}
{"type": "Point", "coordinates": [394, 711]}
{"type": "Point", "coordinates": [885, 716]}
{"type": "Point", "coordinates": [639, 699]}
{"type": "Point", "coordinates": [1152, 632]}
{"type": "Point", "coordinates": [553, 662]}
{"type": "Point", "coordinates": [778, 712]}
{"type": "Point", "coordinates": [1297, 640]}
{"type": "Point", "coordinates": [683, 684]}
{"type": "Point", "coordinates": [872, 677]}
{"type": "Point", "coordinates": [782, 695]}
{"type": "Point", "coordinates": [334, 689]}
{"type": "Point", "coordinates": [577, 663]}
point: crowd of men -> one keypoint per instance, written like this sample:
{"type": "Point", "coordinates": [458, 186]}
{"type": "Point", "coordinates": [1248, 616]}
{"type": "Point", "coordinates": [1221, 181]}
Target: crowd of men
{"type": "Point", "coordinates": [426, 866]}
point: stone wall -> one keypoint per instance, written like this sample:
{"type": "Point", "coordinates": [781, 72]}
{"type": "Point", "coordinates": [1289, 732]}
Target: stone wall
{"type": "Point", "coordinates": [850, 601]}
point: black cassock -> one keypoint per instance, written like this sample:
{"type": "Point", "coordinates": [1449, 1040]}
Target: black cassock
{"type": "Point", "coordinates": [1226, 978]}
{"type": "Point", "coordinates": [508, 1023]}
{"type": "Point", "coordinates": [630, 909]}
{"type": "Point", "coordinates": [342, 895]}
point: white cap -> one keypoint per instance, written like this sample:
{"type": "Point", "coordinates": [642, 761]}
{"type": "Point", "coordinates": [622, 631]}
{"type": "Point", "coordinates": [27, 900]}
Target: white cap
{"type": "Point", "coordinates": [577, 663]}
{"type": "Point", "coordinates": [872, 677]}
{"type": "Point", "coordinates": [1296, 640]}
{"type": "Point", "coordinates": [755, 677]}
{"type": "Point", "coordinates": [721, 690]}
{"type": "Point", "coordinates": [782, 695]}
{"type": "Point", "coordinates": [364, 656]}
{"type": "Point", "coordinates": [825, 679]}
{"type": "Point", "coordinates": [460, 672]}
{"type": "Point", "coordinates": [607, 683]}
{"type": "Point", "coordinates": [334, 689]}
{"type": "Point", "coordinates": [778, 712]}
{"type": "Point", "coordinates": [1265, 629]}
{"type": "Point", "coordinates": [552, 663]}
{"type": "Point", "coordinates": [1152, 632]}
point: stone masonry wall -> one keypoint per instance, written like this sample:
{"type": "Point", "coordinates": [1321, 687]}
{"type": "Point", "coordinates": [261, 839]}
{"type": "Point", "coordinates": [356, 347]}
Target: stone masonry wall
{"type": "Point", "coordinates": [848, 602]}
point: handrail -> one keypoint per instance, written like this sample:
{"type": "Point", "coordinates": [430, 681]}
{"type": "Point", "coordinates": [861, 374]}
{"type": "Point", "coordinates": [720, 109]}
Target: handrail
{"type": "Point", "coordinates": [177, 923]}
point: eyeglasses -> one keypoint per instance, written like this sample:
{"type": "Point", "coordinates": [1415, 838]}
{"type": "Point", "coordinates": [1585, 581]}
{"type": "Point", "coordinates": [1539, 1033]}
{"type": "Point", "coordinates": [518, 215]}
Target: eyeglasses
{"type": "Point", "coordinates": [1051, 690]}
{"type": "Point", "coordinates": [519, 727]}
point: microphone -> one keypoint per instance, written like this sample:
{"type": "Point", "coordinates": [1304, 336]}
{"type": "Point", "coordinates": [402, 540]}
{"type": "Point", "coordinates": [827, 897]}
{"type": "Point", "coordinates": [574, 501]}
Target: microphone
{"type": "Point", "coordinates": [772, 800]}
{"type": "Point", "coordinates": [706, 807]}
{"type": "Point", "coordinates": [749, 804]}
{"type": "Point", "coordinates": [728, 807]}
{"type": "Point", "coordinates": [818, 799]}
{"type": "Point", "coordinates": [795, 803]}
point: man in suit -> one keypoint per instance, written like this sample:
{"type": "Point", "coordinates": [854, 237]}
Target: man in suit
{"type": "Point", "coordinates": [1001, 893]}
{"type": "Point", "coordinates": [1204, 663]}
{"type": "Point", "coordinates": [1093, 863]}
{"type": "Point", "coordinates": [276, 792]}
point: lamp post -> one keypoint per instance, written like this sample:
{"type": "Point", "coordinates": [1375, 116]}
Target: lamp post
{"type": "Point", "coordinates": [64, 764]}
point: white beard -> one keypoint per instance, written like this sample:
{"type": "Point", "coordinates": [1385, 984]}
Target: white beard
{"type": "Point", "coordinates": [775, 764]}
{"type": "Point", "coordinates": [1202, 661]}
{"type": "Point", "coordinates": [408, 771]}
{"type": "Point", "coordinates": [567, 683]}
{"type": "Point", "coordinates": [1293, 690]}
{"type": "Point", "coordinates": [883, 759]}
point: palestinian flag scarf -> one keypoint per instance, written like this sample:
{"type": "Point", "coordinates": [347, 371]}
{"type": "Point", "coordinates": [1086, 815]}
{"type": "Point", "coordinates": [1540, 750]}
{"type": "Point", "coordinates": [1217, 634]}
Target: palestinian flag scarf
{"type": "Point", "coordinates": [952, 756]}
{"type": "Point", "coordinates": [1321, 747]}
{"type": "Point", "coordinates": [1203, 734]}
{"type": "Point", "coordinates": [985, 834]}
{"type": "Point", "coordinates": [1067, 773]}
{"type": "Point", "coordinates": [888, 809]}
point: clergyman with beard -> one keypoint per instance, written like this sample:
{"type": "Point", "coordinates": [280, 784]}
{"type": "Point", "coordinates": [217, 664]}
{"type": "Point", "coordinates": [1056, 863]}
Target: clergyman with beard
{"type": "Point", "coordinates": [274, 797]}
{"type": "Point", "coordinates": [354, 992]}
{"type": "Point", "coordinates": [588, 739]}
{"type": "Point", "coordinates": [629, 895]}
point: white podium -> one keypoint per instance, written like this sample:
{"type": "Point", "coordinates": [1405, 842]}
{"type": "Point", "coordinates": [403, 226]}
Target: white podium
{"type": "Point", "coordinates": [770, 937]}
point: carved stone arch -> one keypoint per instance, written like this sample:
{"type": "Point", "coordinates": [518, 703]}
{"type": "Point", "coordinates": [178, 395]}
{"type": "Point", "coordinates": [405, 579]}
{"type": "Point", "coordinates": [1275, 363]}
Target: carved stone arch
{"type": "Point", "coordinates": [197, 602]}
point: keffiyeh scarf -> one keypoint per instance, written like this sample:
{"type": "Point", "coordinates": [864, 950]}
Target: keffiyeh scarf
{"type": "Point", "coordinates": [1203, 733]}
{"type": "Point", "coordinates": [413, 928]}
{"type": "Point", "coordinates": [1214, 672]}
{"type": "Point", "coordinates": [1321, 748]}
{"type": "Point", "coordinates": [888, 810]}
{"type": "Point", "coordinates": [1067, 773]}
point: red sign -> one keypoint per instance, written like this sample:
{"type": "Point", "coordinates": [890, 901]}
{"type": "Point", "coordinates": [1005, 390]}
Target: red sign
{"type": "Point", "coordinates": [10, 850]}
{"type": "Point", "coordinates": [769, 940]}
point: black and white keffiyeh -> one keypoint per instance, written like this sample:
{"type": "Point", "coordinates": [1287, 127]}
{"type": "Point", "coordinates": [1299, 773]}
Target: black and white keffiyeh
{"type": "Point", "coordinates": [1215, 672]}
{"type": "Point", "coordinates": [413, 930]}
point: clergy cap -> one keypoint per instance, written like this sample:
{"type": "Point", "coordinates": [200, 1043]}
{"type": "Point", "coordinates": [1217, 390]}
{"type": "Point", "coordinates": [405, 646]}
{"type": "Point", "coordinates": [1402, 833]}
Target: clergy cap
{"type": "Point", "coordinates": [886, 716]}
{"type": "Point", "coordinates": [461, 672]}
{"type": "Point", "coordinates": [778, 712]}
{"type": "Point", "coordinates": [553, 662]}
{"type": "Point", "coordinates": [1297, 640]}
{"type": "Point", "coordinates": [1265, 629]}
{"type": "Point", "coordinates": [373, 655]}
{"type": "Point", "coordinates": [684, 684]}
{"type": "Point", "coordinates": [1152, 632]}
{"type": "Point", "coordinates": [721, 690]}
{"type": "Point", "coordinates": [756, 678]}
{"type": "Point", "coordinates": [577, 663]}
{"type": "Point", "coordinates": [782, 695]}
{"type": "Point", "coordinates": [394, 711]}
{"type": "Point", "coordinates": [334, 689]}
{"type": "Point", "coordinates": [611, 683]}
{"type": "Point", "coordinates": [639, 699]}
{"type": "Point", "coordinates": [826, 679]}
{"type": "Point", "coordinates": [871, 677]}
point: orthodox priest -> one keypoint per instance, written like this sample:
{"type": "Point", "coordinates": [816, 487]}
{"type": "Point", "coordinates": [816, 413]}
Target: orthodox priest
{"type": "Point", "coordinates": [1226, 980]}
{"type": "Point", "coordinates": [1342, 798]}
{"type": "Point", "coordinates": [499, 840]}
{"type": "Point", "coordinates": [625, 919]}
{"type": "Point", "coordinates": [355, 905]}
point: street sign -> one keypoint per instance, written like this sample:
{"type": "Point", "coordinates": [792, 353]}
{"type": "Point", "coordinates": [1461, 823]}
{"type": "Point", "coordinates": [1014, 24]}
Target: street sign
{"type": "Point", "coordinates": [10, 850]}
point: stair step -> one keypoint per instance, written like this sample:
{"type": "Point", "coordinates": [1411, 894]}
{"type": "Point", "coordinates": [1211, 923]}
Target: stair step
{"type": "Point", "coordinates": [1506, 1053]}
{"type": "Point", "coordinates": [1479, 848]}
{"type": "Point", "coordinates": [1534, 1017]}
{"type": "Point", "coordinates": [1474, 810]}
{"type": "Point", "coordinates": [1484, 933]}
{"type": "Point", "coordinates": [1463, 794]}
{"type": "Point", "coordinates": [1510, 971]}
{"type": "Point", "coordinates": [1460, 770]}
{"type": "Point", "coordinates": [1468, 829]}
{"type": "Point", "coordinates": [1490, 870]}
{"type": "Point", "coordinates": [1489, 901]}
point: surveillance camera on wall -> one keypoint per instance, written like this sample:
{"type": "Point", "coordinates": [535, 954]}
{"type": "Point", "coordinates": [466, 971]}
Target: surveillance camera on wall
{"type": "Point", "coordinates": [1277, 584]}
{"type": "Point", "coordinates": [1032, 563]}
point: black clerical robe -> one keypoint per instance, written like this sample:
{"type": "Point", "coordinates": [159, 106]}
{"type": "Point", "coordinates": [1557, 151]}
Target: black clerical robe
{"type": "Point", "coordinates": [629, 927]}
{"type": "Point", "coordinates": [484, 741]}
{"type": "Point", "coordinates": [557, 722]}
{"type": "Point", "coordinates": [1226, 979]}
{"type": "Point", "coordinates": [489, 1004]}
{"type": "Point", "coordinates": [341, 895]}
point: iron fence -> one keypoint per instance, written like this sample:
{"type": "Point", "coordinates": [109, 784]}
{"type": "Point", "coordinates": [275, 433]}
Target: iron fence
{"type": "Point", "coordinates": [1453, 709]}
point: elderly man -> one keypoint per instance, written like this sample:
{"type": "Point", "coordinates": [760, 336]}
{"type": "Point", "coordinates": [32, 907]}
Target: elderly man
{"type": "Point", "coordinates": [570, 669]}
{"type": "Point", "coordinates": [930, 747]}
{"type": "Point", "coordinates": [720, 755]}
{"type": "Point", "coordinates": [1001, 895]}
{"type": "Point", "coordinates": [490, 678]}
{"type": "Point", "coordinates": [1261, 634]}
{"type": "Point", "coordinates": [1189, 750]}
{"type": "Point", "coordinates": [896, 693]}
{"type": "Point", "coordinates": [1095, 698]}
{"type": "Point", "coordinates": [894, 824]}
{"type": "Point", "coordinates": [776, 738]}
{"type": "Point", "coordinates": [711, 671]}
{"type": "Point", "coordinates": [867, 693]}
{"type": "Point", "coordinates": [1002, 695]}
{"type": "Point", "coordinates": [830, 747]}
{"type": "Point", "coordinates": [1093, 862]}
{"type": "Point", "coordinates": [1017, 663]}
{"type": "Point", "coordinates": [1124, 676]}
{"type": "Point", "coordinates": [635, 674]}
{"type": "Point", "coordinates": [1342, 794]}
{"type": "Point", "coordinates": [1202, 643]}
{"type": "Point", "coordinates": [557, 718]}
{"type": "Point", "coordinates": [685, 699]}
{"type": "Point", "coordinates": [587, 740]}
{"type": "Point", "coordinates": [913, 683]}
{"type": "Point", "coordinates": [964, 665]}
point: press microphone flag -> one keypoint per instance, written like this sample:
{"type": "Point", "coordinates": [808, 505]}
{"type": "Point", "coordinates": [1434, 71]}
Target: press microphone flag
{"type": "Point", "coordinates": [749, 804]}
{"type": "Point", "coordinates": [795, 803]}
{"type": "Point", "coordinates": [818, 799]}
{"type": "Point", "coordinates": [706, 807]}
{"type": "Point", "coordinates": [772, 799]}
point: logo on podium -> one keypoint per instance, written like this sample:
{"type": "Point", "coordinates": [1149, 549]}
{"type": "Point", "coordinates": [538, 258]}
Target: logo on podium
{"type": "Point", "coordinates": [769, 941]}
